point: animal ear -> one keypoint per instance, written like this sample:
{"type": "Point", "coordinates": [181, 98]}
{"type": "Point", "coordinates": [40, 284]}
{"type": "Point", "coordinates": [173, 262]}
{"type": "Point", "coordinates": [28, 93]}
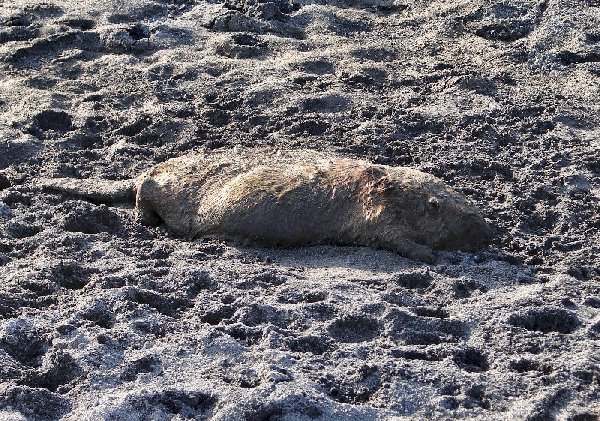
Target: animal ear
{"type": "Point", "coordinates": [433, 203]}
{"type": "Point", "coordinates": [383, 184]}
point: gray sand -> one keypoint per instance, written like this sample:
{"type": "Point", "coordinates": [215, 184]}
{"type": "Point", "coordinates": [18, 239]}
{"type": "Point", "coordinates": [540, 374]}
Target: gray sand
{"type": "Point", "coordinates": [102, 318]}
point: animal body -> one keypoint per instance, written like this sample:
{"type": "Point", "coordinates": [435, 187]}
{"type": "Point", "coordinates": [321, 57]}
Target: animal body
{"type": "Point", "coordinates": [296, 198]}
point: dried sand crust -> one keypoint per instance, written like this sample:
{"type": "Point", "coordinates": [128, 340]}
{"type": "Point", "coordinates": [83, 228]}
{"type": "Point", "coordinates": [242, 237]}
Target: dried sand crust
{"type": "Point", "coordinates": [104, 318]}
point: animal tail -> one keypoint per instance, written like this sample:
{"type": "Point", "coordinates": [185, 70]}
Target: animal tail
{"type": "Point", "coordinates": [97, 191]}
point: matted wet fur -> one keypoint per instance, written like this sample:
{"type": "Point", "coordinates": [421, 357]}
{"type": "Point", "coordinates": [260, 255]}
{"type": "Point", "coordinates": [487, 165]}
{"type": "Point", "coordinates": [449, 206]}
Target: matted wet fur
{"type": "Point", "coordinates": [297, 198]}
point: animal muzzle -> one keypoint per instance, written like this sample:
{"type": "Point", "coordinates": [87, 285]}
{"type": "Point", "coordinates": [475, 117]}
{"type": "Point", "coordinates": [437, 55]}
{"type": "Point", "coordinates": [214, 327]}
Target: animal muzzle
{"type": "Point", "coordinates": [472, 234]}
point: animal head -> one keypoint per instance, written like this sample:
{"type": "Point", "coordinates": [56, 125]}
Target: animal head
{"type": "Point", "coordinates": [440, 217]}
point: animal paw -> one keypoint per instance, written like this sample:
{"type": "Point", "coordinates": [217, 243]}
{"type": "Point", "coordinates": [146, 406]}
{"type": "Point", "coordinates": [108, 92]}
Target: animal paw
{"type": "Point", "coordinates": [422, 253]}
{"type": "Point", "coordinates": [414, 251]}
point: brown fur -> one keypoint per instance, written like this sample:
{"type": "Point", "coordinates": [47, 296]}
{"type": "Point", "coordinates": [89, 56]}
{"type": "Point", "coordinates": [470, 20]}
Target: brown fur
{"type": "Point", "coordinates": [303, 198]}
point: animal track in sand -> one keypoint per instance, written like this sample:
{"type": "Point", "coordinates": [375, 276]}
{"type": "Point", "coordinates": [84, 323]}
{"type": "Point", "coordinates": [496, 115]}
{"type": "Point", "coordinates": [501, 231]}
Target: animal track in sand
{"type": "Point", "coordinates": [505, 22]}
{"type": "Point", "coordinates": [354, 328]}
{"type": "Point", "coordinates": [413, 329]}
{"type": "Point", "coordinates": [58, 370]}
{"type": "Point", "coordinates": [357, 387]}
{"type": "Point", "coordinates": [471, 360]}
{"type": "Point", "coordinates": [23, 342]}
{"type": "Point", "coordinates": [417, 279]}
{"type": "Point", "coordinates": [179, 402]}
{"type": "Point", "coordinates": [546, 319]}
{"type": "Point", "coordinates": [40, 404]}
{"type": "Point", "coordinates": [146, 364]}
{"type": "Point", "coordinates": [242, 46]}
{"type": "Point", "coordinates": [313, 344]}
{"type": "Point", "coordinates": [316, 66]}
